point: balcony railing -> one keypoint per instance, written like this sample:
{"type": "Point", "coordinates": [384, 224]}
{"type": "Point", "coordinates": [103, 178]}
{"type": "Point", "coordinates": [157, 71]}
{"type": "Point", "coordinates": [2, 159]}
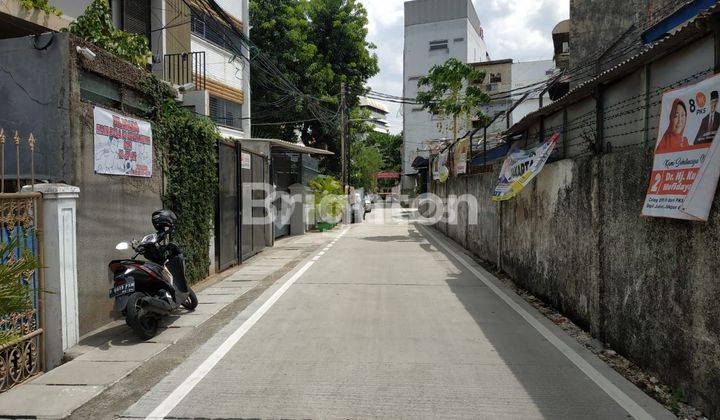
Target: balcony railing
{"type": "Point", "coordinates": [186, 68]}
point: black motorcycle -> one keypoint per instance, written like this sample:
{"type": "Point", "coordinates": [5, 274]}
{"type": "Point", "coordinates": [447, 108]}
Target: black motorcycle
{"type": "Point", "coordinates": [145, 291]}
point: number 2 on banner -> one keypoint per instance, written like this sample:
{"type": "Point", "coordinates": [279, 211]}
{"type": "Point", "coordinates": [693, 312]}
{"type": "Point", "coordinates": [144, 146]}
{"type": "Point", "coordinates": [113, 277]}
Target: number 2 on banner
{"type": "Point", "coordinates": [658, 181]}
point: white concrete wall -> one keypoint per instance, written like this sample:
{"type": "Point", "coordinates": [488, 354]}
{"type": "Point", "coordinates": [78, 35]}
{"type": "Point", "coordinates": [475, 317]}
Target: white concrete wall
{"type": "Point", "coordinates": [525, 74]}
{"type": "Point", "coordinates": [221, 65]}
{"type": "Point", "coordinates": [227, 68]}
{"type": "Point", "coordinates": [464, 44]}
{"type": "Point", "coordinates": [71, 8]}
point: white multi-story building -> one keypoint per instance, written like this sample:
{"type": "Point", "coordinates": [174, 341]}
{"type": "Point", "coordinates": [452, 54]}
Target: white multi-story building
{"type": "Point", "coordinates": [435, 30]}
{"type": "Point", "coordinates": [378, 113]}
{"type": "Point", "coordinates": [525, 81]}
{"type": "Point", "coordinates": [195, 48]}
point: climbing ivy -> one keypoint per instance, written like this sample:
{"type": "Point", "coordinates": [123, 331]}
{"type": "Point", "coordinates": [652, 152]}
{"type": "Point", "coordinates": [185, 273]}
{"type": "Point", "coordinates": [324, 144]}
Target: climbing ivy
{"type": "Point", "coordinates": [41, 5]}
{"type": "Point", "coordinates": [186, 146]}
{"type": "Point", "coordinates": [96, 26]}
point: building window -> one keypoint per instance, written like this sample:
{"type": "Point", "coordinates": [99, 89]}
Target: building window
{"type": "Point", "coordinates": [225, 112]}
{"type": "Point", "coordinates": [495, 78]}
{"type": "Point", "coordinates": [458, 39]}
{"type": "Point", "coordinates": [439, 45]}
{"type": "Point", "coordinates": [207, 28]}
{"type": "Point", "coordinates": [136, 17]}
{"type": "Point", "coordinates": [131, 16]}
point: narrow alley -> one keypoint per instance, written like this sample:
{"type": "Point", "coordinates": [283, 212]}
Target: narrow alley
{"type": "Point", "coordinates": [390, 321]}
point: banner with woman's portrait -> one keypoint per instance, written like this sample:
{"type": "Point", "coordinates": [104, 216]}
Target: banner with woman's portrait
{"type": "Point", "coordinates": [687, 163]}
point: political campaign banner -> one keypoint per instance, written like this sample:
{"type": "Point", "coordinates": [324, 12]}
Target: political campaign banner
{"type": "Point", "coordinates": [443, 171]}
{"type": "Point", "coordinates": [436, 168]}
{"type": "Point", "coordinates": [123, 145]}
{"type": "Point", "coordinates": [686, 166]}
{"type": "Point", "coordinates": [521, 166]}
{"type": "Point", "coordinates": [460, 156]}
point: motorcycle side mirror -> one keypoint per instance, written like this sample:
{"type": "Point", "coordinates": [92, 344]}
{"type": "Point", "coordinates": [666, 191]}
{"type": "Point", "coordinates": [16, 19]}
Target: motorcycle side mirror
{"type": "Point", "coordinates": [122, 246]}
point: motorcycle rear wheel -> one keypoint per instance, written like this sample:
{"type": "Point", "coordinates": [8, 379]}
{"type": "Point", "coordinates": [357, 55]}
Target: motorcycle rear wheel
{"type": "Point", "coordinates": [143, 323]}
{"type": "Point", "coordinates": [191, 302]}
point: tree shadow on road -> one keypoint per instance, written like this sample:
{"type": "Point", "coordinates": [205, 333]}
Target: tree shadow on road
{"type": "Point", "coordinates": [412, 236]}
{"type": "Point", "coordinates": [556, 387]}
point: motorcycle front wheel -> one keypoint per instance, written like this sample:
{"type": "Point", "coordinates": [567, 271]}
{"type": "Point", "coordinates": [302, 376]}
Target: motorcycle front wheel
{"type": "Point", "coordinates": [191, 302]}
{"type": "Point", "coordinates": [143, 323]}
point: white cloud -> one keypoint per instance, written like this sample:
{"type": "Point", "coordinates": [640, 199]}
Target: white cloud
{"type": "Point", "coordinates": [517, 29]}
{"type": "Point", "coordinates": [521, 29]}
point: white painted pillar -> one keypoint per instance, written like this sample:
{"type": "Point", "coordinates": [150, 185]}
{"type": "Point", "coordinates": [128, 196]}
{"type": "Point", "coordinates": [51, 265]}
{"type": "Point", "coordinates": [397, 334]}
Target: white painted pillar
{"type": "Point", "coordinates": [59, 245]}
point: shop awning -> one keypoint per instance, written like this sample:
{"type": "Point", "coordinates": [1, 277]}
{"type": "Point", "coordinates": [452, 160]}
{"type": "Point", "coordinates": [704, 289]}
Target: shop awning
{"type": "Point", "coordinates": [388, 175]}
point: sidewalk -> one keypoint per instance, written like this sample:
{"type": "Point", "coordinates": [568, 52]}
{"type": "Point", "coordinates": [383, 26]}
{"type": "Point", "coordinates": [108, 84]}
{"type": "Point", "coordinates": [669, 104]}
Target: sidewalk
{"type": "Point", "coordinates": [111, 353]}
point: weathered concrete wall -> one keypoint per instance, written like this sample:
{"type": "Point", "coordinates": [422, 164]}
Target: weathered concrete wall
{"type": "Point", "coordinates": [595, 26]}
{"type": "Point", "coordinates": [35, 102]}
{"type": "Point", "coordinates": [547, 241]}
{"type": "Point", "coordinates": [483, 237]}
{"type": "Point", "coordinates": [650, 287]}
{"type": "Point", "coordinates": [661, 284]}
{"type": "Point", "coordinates": [575, 238]}
{"type": "Point", "coordinates": [111, 209]}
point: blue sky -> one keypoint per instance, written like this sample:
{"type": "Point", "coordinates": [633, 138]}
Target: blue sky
{"type": "Point", "coordinates": [518, 29]}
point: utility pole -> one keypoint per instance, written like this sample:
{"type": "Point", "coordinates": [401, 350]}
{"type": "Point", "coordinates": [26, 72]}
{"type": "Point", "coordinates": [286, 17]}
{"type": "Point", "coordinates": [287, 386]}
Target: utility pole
{"type": "Point", "coordinates": [343, 139]}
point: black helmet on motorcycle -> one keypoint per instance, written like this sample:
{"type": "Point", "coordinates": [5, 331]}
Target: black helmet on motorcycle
{"type": "Point", "coordinates": [164, 221]}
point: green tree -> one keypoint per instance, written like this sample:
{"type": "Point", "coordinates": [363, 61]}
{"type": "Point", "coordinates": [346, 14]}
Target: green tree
{"type": "Point", "coordinates": [96, 26]}
{"type": "Point", "coordinates": [450, 91]}
{"type": "Point", "coordinates": [390, 146]}
{"type": "Point", "coordinates": [317, 45]}
{"type": "Point", "coordinates": [41, 5]}
{"type": "Point", "coordinates": [279, 28]}
{"type": "Point", "coordinates": [365, 162]}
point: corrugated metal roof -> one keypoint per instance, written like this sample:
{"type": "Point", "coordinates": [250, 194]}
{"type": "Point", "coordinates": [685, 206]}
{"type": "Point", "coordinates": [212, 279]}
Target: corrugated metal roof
{"type": "Point", "coordinates": [295, 147]}
{"type": "Point", "coordinates": [689, 31]}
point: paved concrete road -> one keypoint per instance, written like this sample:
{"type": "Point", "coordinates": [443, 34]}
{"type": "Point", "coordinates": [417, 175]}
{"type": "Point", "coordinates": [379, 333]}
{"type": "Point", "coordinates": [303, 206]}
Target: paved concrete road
{"type": "Point", "coordinates": [387, 323]}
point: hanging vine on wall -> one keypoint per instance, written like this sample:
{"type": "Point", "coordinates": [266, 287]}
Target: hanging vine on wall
{"type": "Point", "coordinates": [41, 5]}
{"type": "Point", "coordinates": [96, 26]}
{"type": "Point", "coordinates": [186, 146]}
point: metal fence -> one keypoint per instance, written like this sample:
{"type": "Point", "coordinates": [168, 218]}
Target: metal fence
{"type": "Point", "coordinates": [186, 68]}
{"type": "Point", "coordinates": [21, 357]}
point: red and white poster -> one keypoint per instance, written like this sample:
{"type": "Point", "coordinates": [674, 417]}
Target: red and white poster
{"type": "Point", "coordinates": [123, 145]}
{"type": "Point", "coordinates": [687, 163]}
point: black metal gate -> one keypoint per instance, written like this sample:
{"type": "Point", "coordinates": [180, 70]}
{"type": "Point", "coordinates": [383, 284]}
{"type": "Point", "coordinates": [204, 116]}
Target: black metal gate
{"type": "Point", "coordinates": [238, 238]}
{"type": "Point", "coordinates": [228, 207]}
{"type": "Point", "coordinates": [258, 175]}
{"type": "Point", "coordinates": [282, 177]}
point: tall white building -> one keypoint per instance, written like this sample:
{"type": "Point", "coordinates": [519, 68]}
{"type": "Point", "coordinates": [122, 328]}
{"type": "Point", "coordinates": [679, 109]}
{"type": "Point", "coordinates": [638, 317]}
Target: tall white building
{"type": "Point", "coordinates": [435, 30]}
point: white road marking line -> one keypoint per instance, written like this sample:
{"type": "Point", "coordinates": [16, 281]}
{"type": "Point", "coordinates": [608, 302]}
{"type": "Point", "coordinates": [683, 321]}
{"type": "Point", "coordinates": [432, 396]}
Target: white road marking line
{"type": "Point", "coordinates": [175, 397]}
{"type": "Point", "coordinates": [604, 383]}
{"type": "Point", "coordinates": [321, 253]}
{"type": "Point", "coordinates": [315, 258]}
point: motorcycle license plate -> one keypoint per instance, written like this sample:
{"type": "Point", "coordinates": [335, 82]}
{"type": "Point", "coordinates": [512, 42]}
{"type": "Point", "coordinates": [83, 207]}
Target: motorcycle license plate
{"type": "Point", "coordinates": [122, 289]}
